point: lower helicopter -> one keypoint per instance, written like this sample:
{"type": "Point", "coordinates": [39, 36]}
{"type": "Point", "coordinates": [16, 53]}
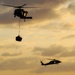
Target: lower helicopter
{"type": "Point", "coordinates": [52, 62]}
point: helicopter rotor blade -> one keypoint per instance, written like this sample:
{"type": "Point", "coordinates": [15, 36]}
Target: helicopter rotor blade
{"type": "Point", "coordinates": [30, 7]}
{"type": "Point", "coordinates": [51, 59]}
{"type": "Point", "coordinates": [8, 5]}
{"type": "Point", "coordinates": [17, 6]}
{"type": "Point", "coordinates": [13, 6]}
{"type": "Point", "coordinates": [23, 5]}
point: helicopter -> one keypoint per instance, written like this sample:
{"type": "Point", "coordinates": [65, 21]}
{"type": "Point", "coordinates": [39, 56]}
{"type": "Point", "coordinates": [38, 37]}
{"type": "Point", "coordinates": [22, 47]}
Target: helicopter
{"type": "Point", "coordinates": [19, 11]}
{"type": "Point", "coordinates": [52, 62]}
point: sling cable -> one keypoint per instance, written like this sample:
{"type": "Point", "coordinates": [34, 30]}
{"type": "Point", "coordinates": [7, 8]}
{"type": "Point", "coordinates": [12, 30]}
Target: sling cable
{"type": "Point", "coordinates": [19, 38]}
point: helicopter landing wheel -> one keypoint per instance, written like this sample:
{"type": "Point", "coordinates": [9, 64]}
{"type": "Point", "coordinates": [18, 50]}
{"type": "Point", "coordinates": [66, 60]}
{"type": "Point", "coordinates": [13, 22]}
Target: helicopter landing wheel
{"type": "Point", "coordinates": [14, 15]}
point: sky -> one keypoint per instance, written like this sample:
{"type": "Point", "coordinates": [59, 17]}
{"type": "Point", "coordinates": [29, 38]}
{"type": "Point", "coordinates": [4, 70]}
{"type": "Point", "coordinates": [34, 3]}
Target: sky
{"type": "Point", "coordinates": [49, 35]}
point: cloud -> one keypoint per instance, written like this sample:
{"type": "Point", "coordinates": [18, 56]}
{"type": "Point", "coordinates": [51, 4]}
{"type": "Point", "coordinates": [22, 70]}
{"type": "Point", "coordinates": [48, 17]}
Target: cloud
{"type": "Point", "coordinates": [69, 37]}
{"type": "Point", "coordinates": [71, 7]}
{"type": "Point", "coordinates": [63, 67]}
{"type": "Point", "coordinates": [66, 26]}
{"type": "Point", "coordinates": [57, 25]}
{"type": "Point", "coordinates": [7, 18]}
{"type": "Point", "coordinates": [46, 12]}
{"type": "Point", "coordinates": [9, 46]}
{"type": "Point", "coordinates": [52, 2]}
{"type": "Point", "coordinates": [18, 64]}
{"type": "Point", "coordinates": [68, 53]}
{"type": "Point", "coordinates": [34, 66]}
{"type": "Point", "coordinates": [9, 54]}
{"type": "Point", "coordinates": [43, 14]}
{"type": "Point", "coordinates": [55, 51]}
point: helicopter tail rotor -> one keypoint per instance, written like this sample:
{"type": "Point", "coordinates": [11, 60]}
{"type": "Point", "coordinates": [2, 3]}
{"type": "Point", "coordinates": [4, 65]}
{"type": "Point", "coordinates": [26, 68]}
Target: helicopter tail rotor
{"type": "Point", "coordinates": [42, 63]}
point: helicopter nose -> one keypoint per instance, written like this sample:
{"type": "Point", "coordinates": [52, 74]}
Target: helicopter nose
{"type": "Point", "coordinates": [60, 62]}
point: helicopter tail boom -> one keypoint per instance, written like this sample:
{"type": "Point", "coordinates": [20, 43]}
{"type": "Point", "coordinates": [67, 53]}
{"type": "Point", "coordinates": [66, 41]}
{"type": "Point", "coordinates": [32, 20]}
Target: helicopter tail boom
{"type": "Point", "coordinates": [28, 17]}
{"type": "Point", "coordinates": [24, 17]}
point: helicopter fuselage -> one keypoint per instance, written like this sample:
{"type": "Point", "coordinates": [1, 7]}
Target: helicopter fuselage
{"type": "Point", "coordinates": [21, 13]}
{"type": "Point", "coordinates": [51, 62]}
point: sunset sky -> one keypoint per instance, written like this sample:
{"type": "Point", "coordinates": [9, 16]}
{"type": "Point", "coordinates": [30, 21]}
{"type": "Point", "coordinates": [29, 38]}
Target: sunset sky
{"type": "Point", "coordinates": [50, 34]}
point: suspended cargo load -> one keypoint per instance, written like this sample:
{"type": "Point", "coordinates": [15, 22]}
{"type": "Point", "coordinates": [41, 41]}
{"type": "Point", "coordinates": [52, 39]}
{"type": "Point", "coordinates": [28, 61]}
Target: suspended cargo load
{"type": "Point", "coordinates": [19, 38]}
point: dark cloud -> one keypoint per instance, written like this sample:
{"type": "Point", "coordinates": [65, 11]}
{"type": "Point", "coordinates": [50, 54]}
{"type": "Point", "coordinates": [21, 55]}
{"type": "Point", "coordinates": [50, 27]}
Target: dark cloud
{"type": "Point", "coordinates": [60, 52]}
{"type": "Point", "coordinates": [18, 64]}
{"type": "Point", "coordinates": [9, 46]}
{"type": "Point", "coordinates": [68, 37]}
{"type": "Point", "coordinates": [46, 12]}
{"type": "Point", "coordinates": [34, 65]}
{"type": "Point", "coordinates": [7, 18]}
{"type": "Point", "coordinates": [66, 26]}
{"type": "Point", "coordinates": [55, 51]}
{"type": "Point", "coordinates": [71, 7]}
{"type": "Point", "coordinates": [63, 67]}
{"type": "Point", "coordinates": [9, 54]}
{"type": "Point", "coordinates": [57, 26]}
{"type": "Point", "coordinates": [52, 2]}
{"type": "Point", "coordinates": [68, 54]}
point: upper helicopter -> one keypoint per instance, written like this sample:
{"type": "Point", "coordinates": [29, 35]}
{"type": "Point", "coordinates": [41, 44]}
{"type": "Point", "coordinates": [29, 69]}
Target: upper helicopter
{"type": "Point", "coordinates": [19, 11]}
{"type": "Point", "coordinates": [53, 61]}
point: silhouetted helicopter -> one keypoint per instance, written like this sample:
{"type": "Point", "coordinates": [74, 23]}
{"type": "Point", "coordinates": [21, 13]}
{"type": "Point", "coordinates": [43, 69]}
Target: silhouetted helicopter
{"type": "Point", "coordinates": [53, 61]}
{"type": "Point", "coordinates": [19, 11]}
